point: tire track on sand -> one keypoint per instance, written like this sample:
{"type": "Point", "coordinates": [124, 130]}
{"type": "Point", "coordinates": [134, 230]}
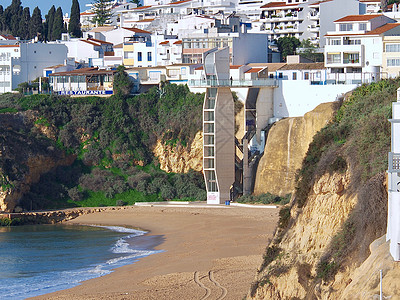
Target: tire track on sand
{"type": "Point", "coordinates": [199, 283]}
{"type": "Point", "coordinates": [224, 290]}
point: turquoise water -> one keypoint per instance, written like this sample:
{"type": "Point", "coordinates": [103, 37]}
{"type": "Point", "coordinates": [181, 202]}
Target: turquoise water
{"type": "Point", "coordinates": [40, 259]}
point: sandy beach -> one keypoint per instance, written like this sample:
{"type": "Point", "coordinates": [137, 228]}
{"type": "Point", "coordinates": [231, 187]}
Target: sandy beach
{"type": "Point", "coordinates": [208, 253]}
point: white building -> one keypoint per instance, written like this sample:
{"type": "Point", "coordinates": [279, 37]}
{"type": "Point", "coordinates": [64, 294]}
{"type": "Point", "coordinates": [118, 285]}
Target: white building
{"type": "Point", "coordinates": [305, 19]}
{"type": "Point", "coordinates": [393, 223]}
{"type": "Point", "coordinates": [24, 62]}
{"type": "Point", "coordinates": [88, 51]}
{"type": "Point", "coordinates": [354, 50]}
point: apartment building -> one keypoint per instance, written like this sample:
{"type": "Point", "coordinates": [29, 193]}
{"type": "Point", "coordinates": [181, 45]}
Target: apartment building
{"type": "Point", "coordinates": [305, 19]}
{"type": "Point", "coordinates": [24, 62]}
{"type": "Point", "coordinates": [354, 51]}
{"type": "Point", "coordinates": [391, 56]}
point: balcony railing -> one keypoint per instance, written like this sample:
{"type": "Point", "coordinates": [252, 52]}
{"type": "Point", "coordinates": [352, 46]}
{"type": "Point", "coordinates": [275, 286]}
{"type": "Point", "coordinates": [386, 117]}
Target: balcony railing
{"type": "Point", "coordinates": [233, 83]}
{"type": "Point", "coordinates": [394, 162]}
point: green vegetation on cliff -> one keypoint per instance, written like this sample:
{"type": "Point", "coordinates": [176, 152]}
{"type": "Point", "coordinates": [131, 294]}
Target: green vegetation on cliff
{"type": "Point", "coordinates": [112, 139]}
{"type": "Point", "coordinates": [356, 141]}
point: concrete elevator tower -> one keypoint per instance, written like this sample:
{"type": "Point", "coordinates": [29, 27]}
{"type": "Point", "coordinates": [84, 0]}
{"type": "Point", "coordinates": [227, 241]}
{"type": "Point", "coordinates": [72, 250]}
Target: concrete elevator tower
{"type": "Point", "coordinates": [218, 127]}
{"type": "Point", "coordinates": [393, 224]}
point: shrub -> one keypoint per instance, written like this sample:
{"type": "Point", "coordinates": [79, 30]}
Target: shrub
{"type": "Point", "coordinates": [75, 194]}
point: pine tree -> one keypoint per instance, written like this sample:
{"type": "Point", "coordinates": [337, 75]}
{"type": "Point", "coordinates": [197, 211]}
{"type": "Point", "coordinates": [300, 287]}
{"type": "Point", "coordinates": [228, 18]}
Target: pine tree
{"type": "Point", "coordinates": [74, 27]}
{"type": "Point", "coordinates": [13, 15]}
{"type": "Point", "coordinates": [48, 26]}
{"type": "Point", "coordinates": [122, 83]}
{"type": "Point", "coordinates": [102, 10]}
{"type": "Point", "coordinates": [1, 18]}
{"type": "Point", "coordinates": [36, 26]}
{"type": "Point", "coordinates": [58, 25]}
{"type": "Point", "coordinates": [23, 28]}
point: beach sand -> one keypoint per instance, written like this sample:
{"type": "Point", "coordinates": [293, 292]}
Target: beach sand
{"type": "Point", "coordinates": [206, 251]}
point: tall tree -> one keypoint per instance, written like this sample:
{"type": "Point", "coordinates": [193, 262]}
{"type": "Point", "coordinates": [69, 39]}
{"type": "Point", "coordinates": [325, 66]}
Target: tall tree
{"type": "Point", "coordinates": [58, 25]}
{"type": "Point", "coordinates": [48, 26]}
{"type": "Point", "coordinates": [122, 83]}
{"type": "Point", "coordinates": [36, 24]}
{"type": "Point", "coordinates": [287, 46]}
{"type": "Point", "coordinates": [23, 28]}
{"type": "Point", "coordinates": [13, 15]}
{"type": "Point", "coordinates": [103, 12]}
{"type": "Point", "coordinates": [1, 18]}
{"type": "Point", "coordinates": [74, 27]}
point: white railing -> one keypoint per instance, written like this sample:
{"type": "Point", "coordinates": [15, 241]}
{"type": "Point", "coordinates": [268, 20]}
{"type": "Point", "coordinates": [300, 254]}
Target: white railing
{"type": "Point", "coordinates": [233, 83]}
{"type": "Point", "coordinates": [394, 162]}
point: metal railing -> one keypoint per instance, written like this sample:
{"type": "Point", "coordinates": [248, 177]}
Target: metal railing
{"type": "Point", "coordinates": [233, 83]}
{"type": "Point", "coordinates": [394, 162]}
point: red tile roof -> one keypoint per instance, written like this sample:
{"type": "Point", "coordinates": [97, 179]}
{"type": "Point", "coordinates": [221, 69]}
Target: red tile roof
{"type": "Point", "coordinates": [8, 37]}
{"type": "Point", "coordinates": [179, 2]}
{"type": "Point", "coordinates": [99, 41]}
{"type": "Point", "coordinates": [278, 4]}
{"type": "Point", "coordinates": [358, 18]}
{"type": "Point", "coordinates": [178, 43]}
{"type": "Point", "coordinates": [383, 29]}
{"type": "Point", "coordinates": [136, 30]}
{"type": "Point", "coordinates": [164, 43]}
{"type": "Point", "coordinates": [254, 70]}
{"type": "Point", "coordinates": [5, 46]}
{"type": "Point", "coordinates": [199, 68]}
{"type": "Point", "coordinates": [234, 66]}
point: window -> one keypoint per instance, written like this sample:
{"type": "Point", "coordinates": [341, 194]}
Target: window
{"type": "Point", "coordinates": [280, 75]}
{"type": "Point", "coordinates": [362, 26]}
{"type": "Point", "coordinates": [306, 76]}
{"type": "Point", "coordinates": [294, 75]}
{"type": "Point", "coordinates": [336, 42]}
{"type": "Point", "coordinates": [351, 58]}
{"type": "Point", "coordinates": [346, 27]}
{"type": "Point", "coordinates": [333, 58]}
{"type": "Point", "coordinates": [128, 55]}
{"type": "Point", "coordinates": [392, 47]}
{"type": "Point", "coordinates": [139, 56]}
{"type": "Point", "coordinates": [148, 56]}
{"type": "Point", "coordinates": [393, 62]}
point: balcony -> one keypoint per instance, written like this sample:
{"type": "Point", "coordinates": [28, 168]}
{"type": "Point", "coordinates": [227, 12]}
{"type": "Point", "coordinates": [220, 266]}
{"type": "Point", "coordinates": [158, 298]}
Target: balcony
{"type": "Point", "coordinates": [233, 83]}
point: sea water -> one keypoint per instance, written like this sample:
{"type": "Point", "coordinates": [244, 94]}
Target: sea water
{"type": "Point", "coordinates": [40, 259]}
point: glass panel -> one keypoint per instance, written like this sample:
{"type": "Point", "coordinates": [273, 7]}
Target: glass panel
{"type": "Point", "coordinates": [209, 163]}
{"type": "Point", "coordinates": [208, 151]}
{"type": "Point", "coordinates": [209, 128]}
{"type": "Point", "coordinates": [209, 139]}
{"type": "Point", "coordinates": [208, 116]}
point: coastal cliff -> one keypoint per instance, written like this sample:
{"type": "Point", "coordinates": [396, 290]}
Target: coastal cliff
{"type": "Point", "coordinates": [61, 152]}
{"type": "Point", "coordinates": [178, 158]}
{"type": "Point", "coordinates": [285, 148]}
{"type": "Point", "coordinates": [321, 249]}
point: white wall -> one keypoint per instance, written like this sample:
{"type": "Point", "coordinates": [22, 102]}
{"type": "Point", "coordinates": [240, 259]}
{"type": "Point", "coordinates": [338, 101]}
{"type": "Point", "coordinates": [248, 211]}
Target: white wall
{"type": "Point", "coordinates": [258, 43]}
{"type": "Point", "coordinates": [333, 10]}
{"type": "Point", "coordinates": [295, 98]}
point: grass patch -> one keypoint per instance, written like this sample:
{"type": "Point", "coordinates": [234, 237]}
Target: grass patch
{"type": "Point", "coordinates": [266, 198]}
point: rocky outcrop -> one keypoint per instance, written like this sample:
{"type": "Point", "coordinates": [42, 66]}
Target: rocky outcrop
{"type": "Point", "coordinates": [331, 231]}
{"type": "Point", "coordinates": [178, 158]}
{"type": "Point", "coordinates": [303, 245]}
{"type": "Point", "coordinates": [365, 280]}
{"type": "Point", "coordinates": [56, 216]}
{"type": "Point", "coordinates": [286, 146]}
{"type": "Point", "coordinates": [25, 155]}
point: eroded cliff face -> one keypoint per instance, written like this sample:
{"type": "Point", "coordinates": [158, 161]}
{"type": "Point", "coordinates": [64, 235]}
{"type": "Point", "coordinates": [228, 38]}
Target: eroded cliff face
{"type": "Point", "coordinates": [180, 159]}
{"type": "Point", "coordinates": [286, 146]}
{"type": "Point", "coordinates": [25, 156]}
{"type": "Point", "coordinates": [338, 218]}
{"type": "Point", "coordinates": [303, 245]}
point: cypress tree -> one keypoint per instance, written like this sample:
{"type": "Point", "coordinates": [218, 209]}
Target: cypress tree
{"type": "Point", "coordinates": [102, 10]}
{"type": "Point", "coordinates": [74, 27]}
{"type": "Point", "coordinates": [36, 26]}
{"type": "Point", "coordinates": [1, 18]}
{"type": "Point", "coordinates": [23, 28]}
{"type": "Point", "coordinates": [58, 25]}
{"type": "Point", "coordinates": [13, 15]}
{"type": "Point", "coordinates": [48, 26]}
